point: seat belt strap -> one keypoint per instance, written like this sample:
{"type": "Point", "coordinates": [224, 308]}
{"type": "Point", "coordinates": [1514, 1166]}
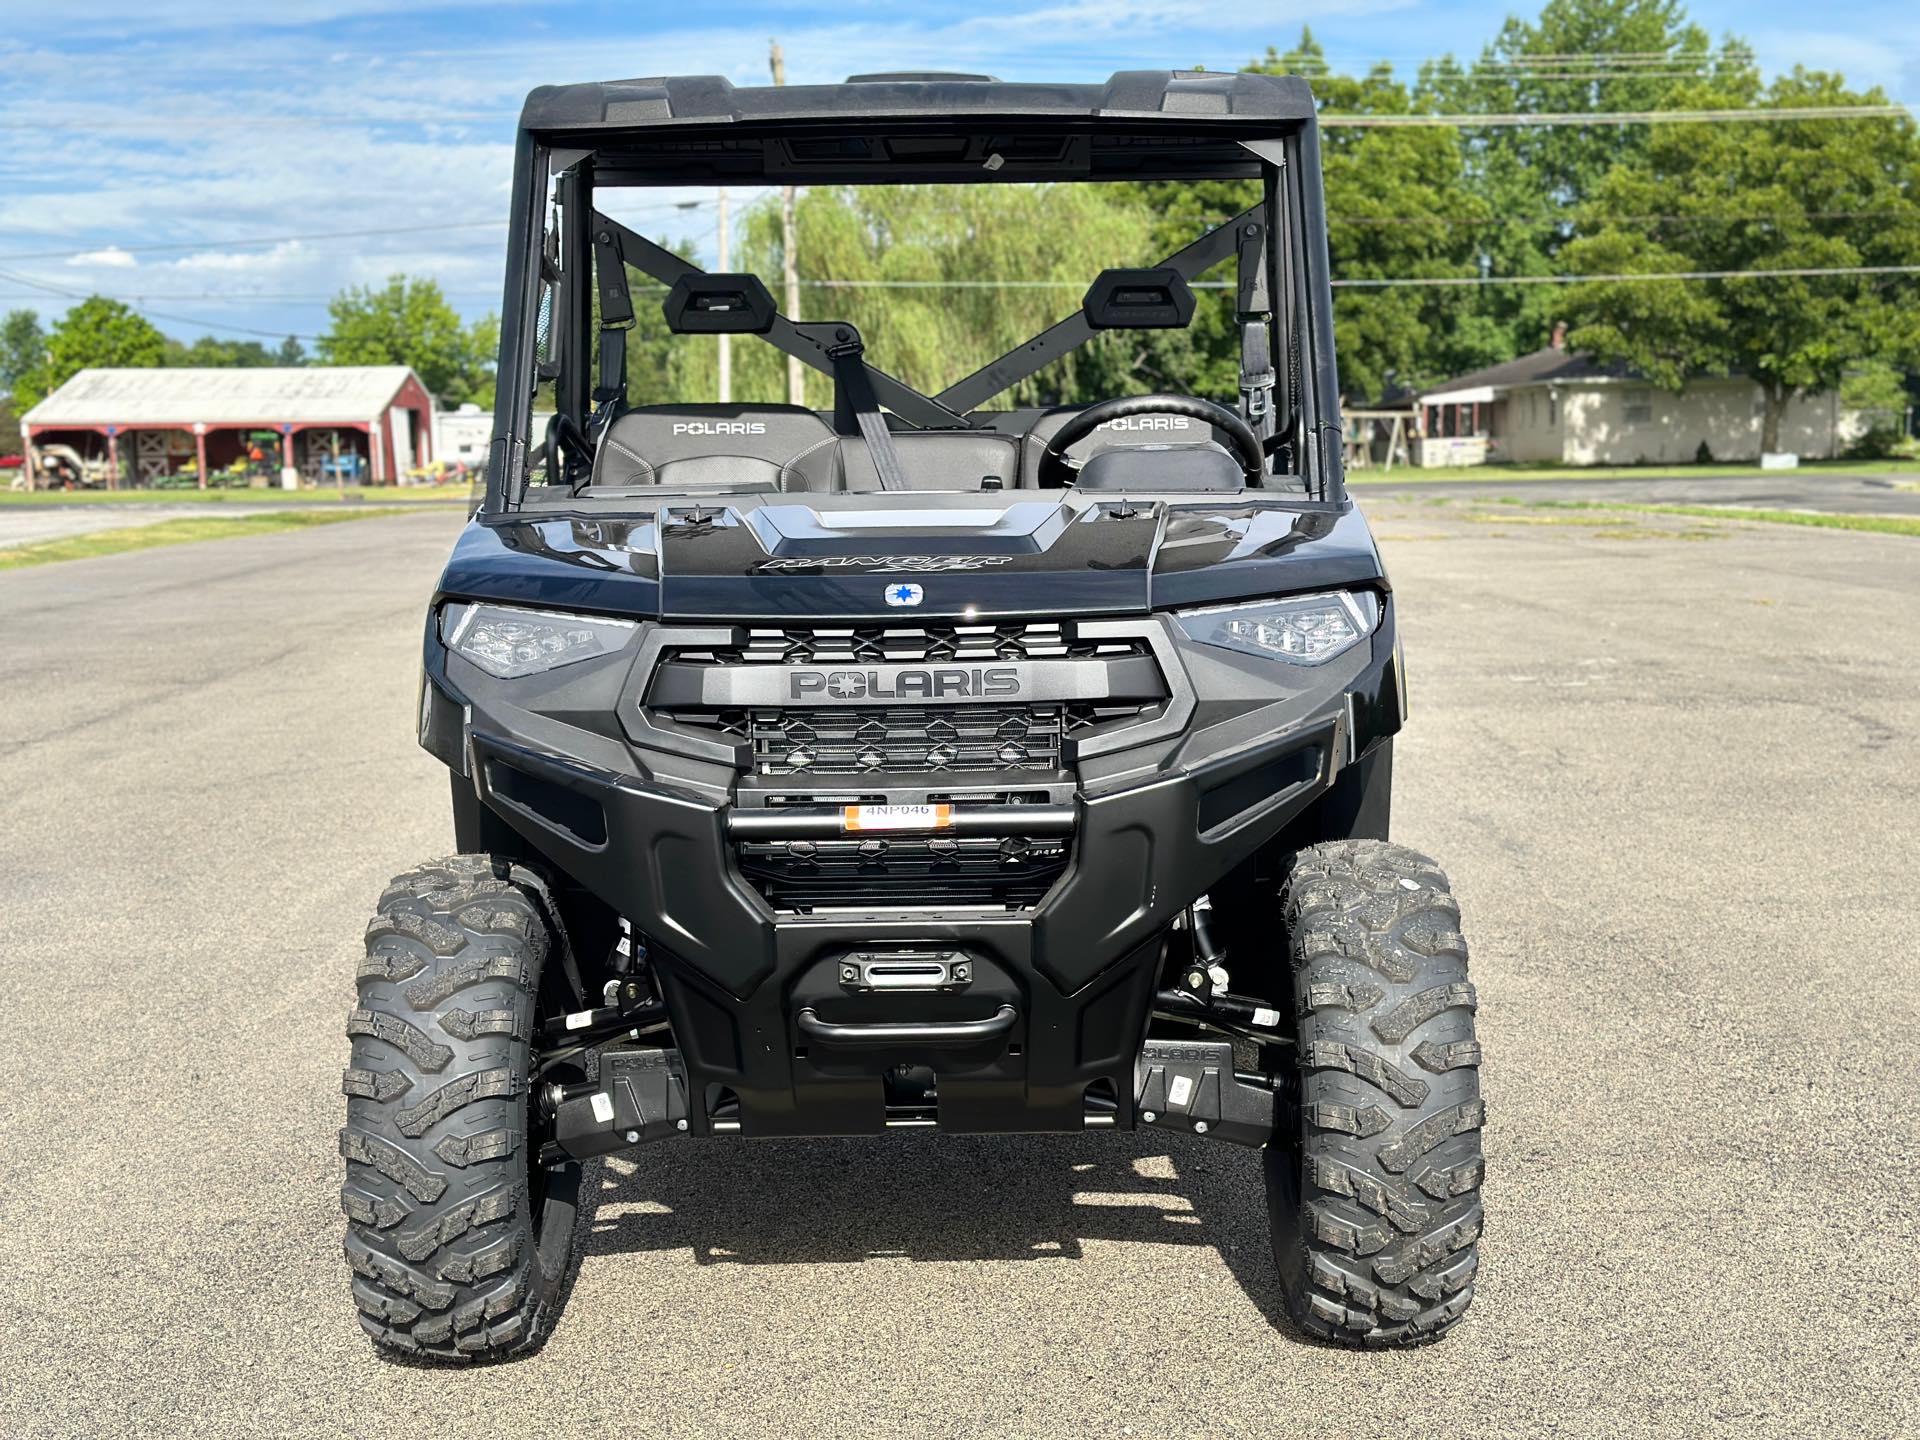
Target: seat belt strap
{"type": "Point", "coordinates": [853, 389]}
{"type": "Point", "coordinates": [616, 318]}
{"type": "Point", "coordinates": [611, 392]}
{"type": "Point", "coordinates": [1256, 375]}
{"type": "Point", "coordinates": [1252, 307]}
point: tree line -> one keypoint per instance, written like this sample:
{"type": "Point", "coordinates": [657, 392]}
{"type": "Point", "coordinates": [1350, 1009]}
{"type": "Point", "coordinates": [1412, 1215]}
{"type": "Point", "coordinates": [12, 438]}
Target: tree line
{"type": "Point", "coordinates": [403, 322]}
{"type": "Point", "coordinates": [1489, 218]}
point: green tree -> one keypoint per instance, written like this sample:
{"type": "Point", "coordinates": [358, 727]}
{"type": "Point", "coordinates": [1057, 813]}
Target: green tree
{"type": "Point", "coordinates": [1578, 57]}
{"type": "Point", "coordinates": [23, 348]}
{"type": "Point", "coordinates": [96, 332]}
{"type": "Point", "coordinates": [409, 322]}
{"type": "Point", "coordinates": [865, 250]}
{"type": "Point", "coordinates": [1791, 194]}
{"type": "Point", "coordinates": [483, 351]}
{"type": "Point", "coordinates": [1396, 207]}
{"type": "Point", "coordinates": [291, 352]}
{"type": "Point", "coordinates": [211, 352]}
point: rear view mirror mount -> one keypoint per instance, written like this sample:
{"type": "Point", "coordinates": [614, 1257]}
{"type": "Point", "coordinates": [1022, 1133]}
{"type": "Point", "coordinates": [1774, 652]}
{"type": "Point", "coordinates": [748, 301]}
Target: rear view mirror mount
{"type": "Point", "coordinates": [719, 304]}
{"type": "Point", "coordinates": [1158, 299]}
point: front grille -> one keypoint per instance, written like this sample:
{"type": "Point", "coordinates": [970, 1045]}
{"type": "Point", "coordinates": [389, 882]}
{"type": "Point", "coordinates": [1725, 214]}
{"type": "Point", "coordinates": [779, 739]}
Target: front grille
{"type": "Point", "coordinates": [873, 742]}
{"type": "Point", "coordinates": [872, 644]}
{"type": "Point", "coordinates": [996, 739]}
{"type": "Point", "coordinates": [1014, 871]}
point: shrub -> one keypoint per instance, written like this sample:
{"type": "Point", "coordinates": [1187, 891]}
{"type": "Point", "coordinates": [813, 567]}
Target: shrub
{"type": "Point", "coordinates": [1881, 442]}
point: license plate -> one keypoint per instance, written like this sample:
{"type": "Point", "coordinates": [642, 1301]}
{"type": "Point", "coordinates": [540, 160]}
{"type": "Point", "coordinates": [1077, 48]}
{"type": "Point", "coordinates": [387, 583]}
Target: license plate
{"type": "Point", "coordinates": [858, 819]}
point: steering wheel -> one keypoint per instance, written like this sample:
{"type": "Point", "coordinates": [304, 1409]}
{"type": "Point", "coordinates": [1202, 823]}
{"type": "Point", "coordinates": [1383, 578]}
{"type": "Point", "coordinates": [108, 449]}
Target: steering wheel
{"type": "Point", "coordinates": [1240, 435]}
{"type": "Point", "coordinates": [562, 428]}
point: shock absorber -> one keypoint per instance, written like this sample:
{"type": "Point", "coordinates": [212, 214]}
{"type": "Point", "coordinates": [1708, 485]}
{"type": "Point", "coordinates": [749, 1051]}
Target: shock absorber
{"type": "Point", "coordinates": [1202, 992]}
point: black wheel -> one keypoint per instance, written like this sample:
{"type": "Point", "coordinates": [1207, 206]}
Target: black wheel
{"type": "Point", "coordinates": [1374, 1198]}
{"type": "Point", "coordinates": [458, 1242]}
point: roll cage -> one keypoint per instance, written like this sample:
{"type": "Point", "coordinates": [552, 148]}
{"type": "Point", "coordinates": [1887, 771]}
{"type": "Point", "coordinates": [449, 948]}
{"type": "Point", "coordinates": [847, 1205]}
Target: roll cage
{"type": "Point", "coordinates": [1138, 126]}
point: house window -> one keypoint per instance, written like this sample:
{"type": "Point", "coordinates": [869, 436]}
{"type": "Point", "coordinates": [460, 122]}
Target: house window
{"type": "Point", "coordinates": [1553, 409]}
{"type": "Point", "coordinates": [1636, 407]}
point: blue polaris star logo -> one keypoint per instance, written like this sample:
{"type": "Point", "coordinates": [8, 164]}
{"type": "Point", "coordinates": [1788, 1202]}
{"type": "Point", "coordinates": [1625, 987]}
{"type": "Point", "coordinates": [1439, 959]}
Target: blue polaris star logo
{"type": "Point", "coordinates": [904, 594]}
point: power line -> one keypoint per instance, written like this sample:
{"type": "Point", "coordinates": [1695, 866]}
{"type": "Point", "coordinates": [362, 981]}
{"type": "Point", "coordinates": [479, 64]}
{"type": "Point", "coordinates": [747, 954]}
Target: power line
{"type": "Point", "coordinates": [28, 280]}
{"type": "Point", "coordinates": [156, 249]}
{"type": "Point", "coordinates": [1679, 62]}
{"type": "Point", "coordinates": [1622, 57]}
{"type": "Point", "coordinates": [1771, 273]}
{"type": "Point", "coordinates": [1331, 119]}
{"type": "Point", "coordinates": [1435, 281]}
{"type": "Point", "coordinates": [255, 122]}
{"type": "Point", "coordinates": [1431, 282]}
{"type": "Point", "coordinates": [1520, 77]}
{"type": "Point", "coordinates": [1565, 219]}
{"type": "Point", "coordinates": [247, 242]}
{"type": "Point", "coordinates": [1502, 75]}
{"type": "Point", "coordinates": [1621, 117]}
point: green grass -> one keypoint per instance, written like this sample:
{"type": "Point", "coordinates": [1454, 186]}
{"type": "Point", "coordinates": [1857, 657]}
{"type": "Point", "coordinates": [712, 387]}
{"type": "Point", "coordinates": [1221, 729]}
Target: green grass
{"type": "Point", "coordinates": [184, 531]}
{"type": "Point", "coordinates": [1514, 473]}
{"type": "Point", "coordinates": [324, 495]}
{"type": "Point", "coordinates": [1875, 524]}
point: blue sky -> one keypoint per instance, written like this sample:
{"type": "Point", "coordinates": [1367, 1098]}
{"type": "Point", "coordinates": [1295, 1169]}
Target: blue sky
{"type": "Point", "coordinates": [136, 124]}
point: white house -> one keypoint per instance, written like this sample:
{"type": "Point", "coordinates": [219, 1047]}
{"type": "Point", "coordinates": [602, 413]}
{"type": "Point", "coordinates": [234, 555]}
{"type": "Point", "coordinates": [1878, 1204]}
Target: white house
{"type": "Point", "coordinates": [463, 436]}
{"type": "Point", "coordinates": [1566, 408]}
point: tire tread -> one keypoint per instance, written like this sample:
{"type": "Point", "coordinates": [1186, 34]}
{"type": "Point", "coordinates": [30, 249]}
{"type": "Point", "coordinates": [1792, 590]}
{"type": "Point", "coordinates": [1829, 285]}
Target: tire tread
{"type": "Point", "coordinates": [441, 1245]}
{"type": "Point", "coordinates": [1377, 1213]}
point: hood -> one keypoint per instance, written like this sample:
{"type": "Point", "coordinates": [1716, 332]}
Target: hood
{"type": "Point", "coordinates": [746, 561]}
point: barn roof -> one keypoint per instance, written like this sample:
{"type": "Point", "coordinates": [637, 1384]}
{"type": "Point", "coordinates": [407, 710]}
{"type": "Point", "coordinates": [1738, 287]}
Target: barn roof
{"type": "Point", "coordinates": [300, 395]}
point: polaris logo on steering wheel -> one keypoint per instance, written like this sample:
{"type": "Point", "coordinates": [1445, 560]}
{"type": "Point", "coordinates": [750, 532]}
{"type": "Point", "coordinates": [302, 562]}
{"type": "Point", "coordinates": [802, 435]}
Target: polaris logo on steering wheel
{"type": "Point", "coordinates": [1149, 422]}
{"type": "Point", "coordinates": [719, 427]}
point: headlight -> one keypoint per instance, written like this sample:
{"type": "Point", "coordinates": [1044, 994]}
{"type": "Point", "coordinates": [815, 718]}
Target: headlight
{"type": "Point", "coordinates": [511, 643]}
{"type": "Point", "coordinates": [1302, 629]}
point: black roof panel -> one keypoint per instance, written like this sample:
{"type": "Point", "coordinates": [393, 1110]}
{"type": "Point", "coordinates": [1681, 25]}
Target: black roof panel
{"type": "Point", "coordinates": [1129, 96]}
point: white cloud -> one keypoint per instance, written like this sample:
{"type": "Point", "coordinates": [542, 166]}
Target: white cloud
{"type": "Point", "coordinates": [187, 148]}
{"type": "Point", "coordinates": [143, 15]}
{"type": "Point", "coordinates": [111, 258]}
{"type": "Point", "coordinates": [1887, 57]}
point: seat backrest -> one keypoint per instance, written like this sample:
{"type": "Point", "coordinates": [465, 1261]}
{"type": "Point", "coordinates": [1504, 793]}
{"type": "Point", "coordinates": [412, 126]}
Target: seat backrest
{"type": "Point", "coordinates": [1144, 469]}
{"type": "Point", "coordinates": [687, 445]}
{"type": "Point", "coordinates": [929, 460]}
{"type": "Point", "coordinates": [1135, 430]}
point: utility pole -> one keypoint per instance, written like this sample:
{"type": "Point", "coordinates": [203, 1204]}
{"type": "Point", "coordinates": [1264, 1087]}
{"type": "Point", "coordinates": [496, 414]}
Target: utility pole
{"type": "Point", "coordinates": [789, 262]}
{"type": "Point", "coordinates": [726, 350]}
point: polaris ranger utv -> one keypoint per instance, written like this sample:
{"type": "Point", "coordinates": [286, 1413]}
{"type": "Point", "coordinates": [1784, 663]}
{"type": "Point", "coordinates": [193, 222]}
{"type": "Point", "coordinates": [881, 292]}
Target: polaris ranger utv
{"type": "Point", "coordinates": [911, 763]}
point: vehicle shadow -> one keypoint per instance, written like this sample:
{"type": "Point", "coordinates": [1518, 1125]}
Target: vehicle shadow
{"type": "Point", "coordinates": [923, 1197]}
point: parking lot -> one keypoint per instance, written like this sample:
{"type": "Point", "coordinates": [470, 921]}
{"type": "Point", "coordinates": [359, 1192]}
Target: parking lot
{"type": "Point", "coordinates": [1670, 762]}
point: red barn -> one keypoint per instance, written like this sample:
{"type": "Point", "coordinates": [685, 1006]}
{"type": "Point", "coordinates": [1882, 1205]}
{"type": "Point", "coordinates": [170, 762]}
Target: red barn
{"type": "Point", "coordinates": [368, 422]}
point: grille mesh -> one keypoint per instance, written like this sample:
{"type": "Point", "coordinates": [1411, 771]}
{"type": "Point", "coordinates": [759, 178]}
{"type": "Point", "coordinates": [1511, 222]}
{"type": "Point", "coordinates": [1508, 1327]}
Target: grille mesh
{"type": "Point", "coordinates": [875, 742]}
{"type": "Point", "coordinates": [823, 645]}
{"type": "Point", "coordinates": [904, 870]}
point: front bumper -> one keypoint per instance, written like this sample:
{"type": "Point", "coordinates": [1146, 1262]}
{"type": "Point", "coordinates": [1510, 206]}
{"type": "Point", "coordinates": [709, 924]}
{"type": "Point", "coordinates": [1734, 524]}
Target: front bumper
{"type": "Point", "coordinates": [646, 813]}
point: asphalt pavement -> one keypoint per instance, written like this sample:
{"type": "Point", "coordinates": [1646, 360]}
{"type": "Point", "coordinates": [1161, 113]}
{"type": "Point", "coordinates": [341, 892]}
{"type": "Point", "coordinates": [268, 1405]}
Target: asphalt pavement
{"type": "Point", "coordinates": [1671, 766]}
{"type": "Point", "coordinates": [1772, 490]}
